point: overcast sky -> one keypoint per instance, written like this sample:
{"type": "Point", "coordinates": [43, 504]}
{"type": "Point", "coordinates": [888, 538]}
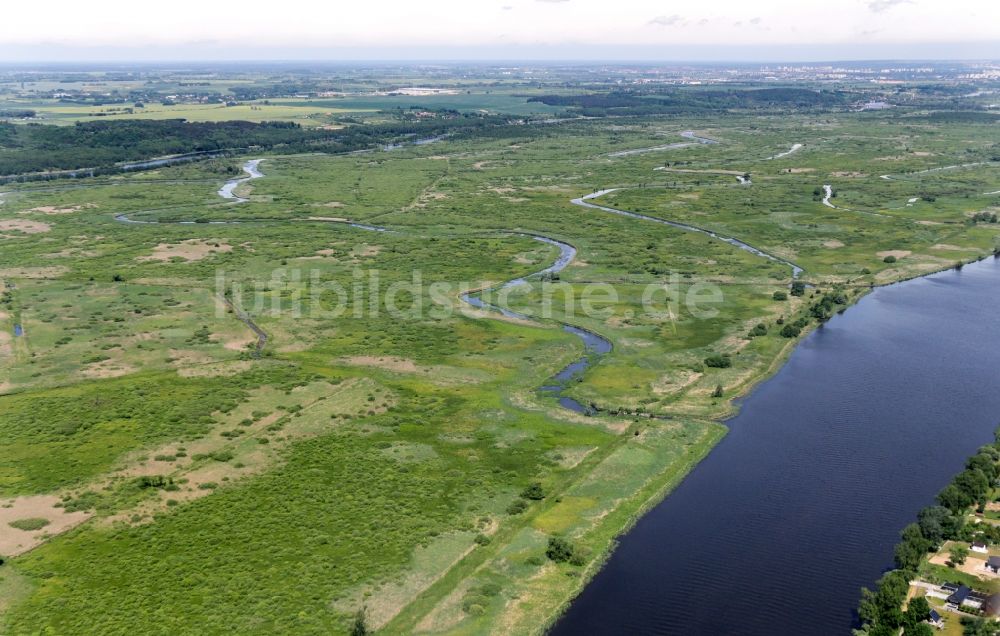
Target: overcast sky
{"type": "Point", "coordinates": [500, 29]}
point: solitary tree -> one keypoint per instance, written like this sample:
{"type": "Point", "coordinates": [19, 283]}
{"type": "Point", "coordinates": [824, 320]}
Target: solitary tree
{"type": "Point", "coordinates": [360, 627]}
{"type": "Point", "coordinates": [958, 554]}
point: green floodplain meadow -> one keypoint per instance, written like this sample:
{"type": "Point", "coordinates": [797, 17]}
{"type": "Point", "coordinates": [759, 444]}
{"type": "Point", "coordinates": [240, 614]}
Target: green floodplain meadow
{"type": "Point", "coordinates": [405, 464]}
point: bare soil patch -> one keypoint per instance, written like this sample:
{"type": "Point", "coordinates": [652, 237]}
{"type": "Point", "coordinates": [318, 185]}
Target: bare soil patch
{"type": "Point", "coordinates": [215, 370]}
{"type": "Point", "coordinates": [107, 369]}
{"type": "Point", "coordinates": [54, 271]}
{"type": "Point", "coordinates": [13, 541]}
{"type": "Point", "coordinates": [368, 250]}
{"type": "Point", "coordinates": [896, 253]}
{"type": "Point", "coordinates": [190, 250]}
{"type": "Point", "coordinates": [390, 363]}
{"type": "Point", "coordinates": [51, 209]}
{"type": "Point", "coordinates": [24, 226]}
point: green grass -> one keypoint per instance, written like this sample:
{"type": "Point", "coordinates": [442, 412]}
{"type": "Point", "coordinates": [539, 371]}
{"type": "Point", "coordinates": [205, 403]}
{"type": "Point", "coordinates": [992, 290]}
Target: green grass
{"type": "Point", "coordinates": [393, 441]}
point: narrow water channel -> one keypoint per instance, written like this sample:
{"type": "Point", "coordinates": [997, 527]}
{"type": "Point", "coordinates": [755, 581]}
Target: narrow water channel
{"type": "Point", "coordinates": [776, 531]}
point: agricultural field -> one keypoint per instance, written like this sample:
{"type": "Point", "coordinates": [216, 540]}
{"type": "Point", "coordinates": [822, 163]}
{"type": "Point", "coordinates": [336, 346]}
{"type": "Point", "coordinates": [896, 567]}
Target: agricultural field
{"type": "Point", "coordinates": [385, 448]}
{"type": "Point", "coordinates": [324, 112]}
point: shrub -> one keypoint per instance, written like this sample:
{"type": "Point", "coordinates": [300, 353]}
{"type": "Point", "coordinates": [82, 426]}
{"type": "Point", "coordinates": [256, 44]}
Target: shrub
{"type": "Point", "coordinates": [534, 492]}
{"type": "Point", "coordinates": [780, 295]}
{"type": "Point", "coordinates": [154, 481]}
{"type": "Point", "coordinates": [790, 331]}
{"type": "Point", "coordinates": [559, 550]}
{"type": "Point", "coordinates": [759, 330]}
{"type": "Point", "coordinates": [889, 259]}
{"type": "Point", "coordinates": [719, 361]}
{"type": "Point", "coordinates": [517, 506]}
{"type": "Point", "coordinates": [717, 393]}
{"type": "Point", "coordinates": [798, 288]}
{"type": "Point", "coordinates": [30, 523]}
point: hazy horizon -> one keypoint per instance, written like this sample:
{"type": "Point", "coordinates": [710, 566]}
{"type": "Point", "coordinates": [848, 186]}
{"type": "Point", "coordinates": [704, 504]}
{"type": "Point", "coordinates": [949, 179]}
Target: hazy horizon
{"type": "Point", "coordinates": [507, 30]}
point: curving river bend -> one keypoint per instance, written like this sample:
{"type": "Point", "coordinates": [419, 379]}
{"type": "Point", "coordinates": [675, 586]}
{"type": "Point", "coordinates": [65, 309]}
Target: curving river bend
{"type": "Point", "coordinates": [594, 344]}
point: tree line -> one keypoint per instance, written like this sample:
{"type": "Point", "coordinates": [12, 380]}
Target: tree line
{"type": "Point", "coordinates": [34, 151]}
{"type": "Point", "coordinates": [880, 610]}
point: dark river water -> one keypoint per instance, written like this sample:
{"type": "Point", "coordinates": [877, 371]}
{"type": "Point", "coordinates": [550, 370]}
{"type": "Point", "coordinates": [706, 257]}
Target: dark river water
{"type": "Point", "coordinates": [802, 502]}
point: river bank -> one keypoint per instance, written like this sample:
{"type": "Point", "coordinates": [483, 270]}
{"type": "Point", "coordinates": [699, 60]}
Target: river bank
{"type": "Point", "coordinates": [806, 474]}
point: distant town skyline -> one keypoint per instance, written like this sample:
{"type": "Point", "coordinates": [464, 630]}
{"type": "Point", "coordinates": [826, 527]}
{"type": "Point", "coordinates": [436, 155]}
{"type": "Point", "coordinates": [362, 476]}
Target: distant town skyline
{"type": "Point", "coordinates": [707, 30]}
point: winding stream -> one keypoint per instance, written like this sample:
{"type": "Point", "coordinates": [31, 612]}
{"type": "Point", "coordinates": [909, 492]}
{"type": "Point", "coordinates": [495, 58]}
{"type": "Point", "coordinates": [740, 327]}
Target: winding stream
{"type": "Point", "coordinates": [585, 202]}
{"type": "Point", "coordinates": [594, 344]}
{"type": "Point", "coordinates": [687, 134]}
{"type": "Point", "coordinates": [795, 148]}
{"type": "Point", "coordinates": [251, 168]}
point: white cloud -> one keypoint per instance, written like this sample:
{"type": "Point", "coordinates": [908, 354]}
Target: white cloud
{"type": "Point", "coordinates": [667, 20]}
{"type": "Point", "coordinates": [878, 6]}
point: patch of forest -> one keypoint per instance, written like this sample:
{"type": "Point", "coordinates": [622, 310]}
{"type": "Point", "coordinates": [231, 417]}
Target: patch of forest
{"type": "Point", "coordinates": [38, 151]}
{"type": "Point", "coordinates": [695, 101]}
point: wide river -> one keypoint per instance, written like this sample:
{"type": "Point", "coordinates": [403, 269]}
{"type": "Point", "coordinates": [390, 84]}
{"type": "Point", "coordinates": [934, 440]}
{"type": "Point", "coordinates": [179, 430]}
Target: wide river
{"type": "Point", "coordinates": [776, 531]}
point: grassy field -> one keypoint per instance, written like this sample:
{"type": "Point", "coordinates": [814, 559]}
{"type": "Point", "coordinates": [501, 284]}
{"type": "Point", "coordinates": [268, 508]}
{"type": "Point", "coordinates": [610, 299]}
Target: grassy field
{"type": "Point", "coordinates": [384, 457]}
{"type": "Point", "coordinates": [317, 111]}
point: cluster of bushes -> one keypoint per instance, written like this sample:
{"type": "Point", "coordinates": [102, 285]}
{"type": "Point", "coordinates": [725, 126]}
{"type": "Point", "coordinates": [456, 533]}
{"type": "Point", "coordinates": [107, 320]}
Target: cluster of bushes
{"type": "Point", "coordinates": [157, 481]}
{"type": "Point", "coordinates": [28, 524]}
{"type": "Point", "coordinates": [478, 597]}
{"type": "Point", "coordinates": [880, 611]}
{"type": "Point", "coordinates": [114, 416]}
{"type": "Point", "coordinates": [759, 330]}
{"type": "Point", "coordinates": [719, 360]}
{"type": "Point", "coordinates": [793, 329]}
{"type": "Point", "coordinates": [823, 308]}
{"type": "Point", "coordinates": [984, 217]}
{"type": "Point", "coordinates": [562, 550]}
{"type": "Point", "coordinates": [534, 492]}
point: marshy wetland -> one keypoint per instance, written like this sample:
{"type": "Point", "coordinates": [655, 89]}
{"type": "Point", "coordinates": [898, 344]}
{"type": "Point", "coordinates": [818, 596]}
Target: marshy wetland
{"type": "Point", "coordinates": [391, 447]}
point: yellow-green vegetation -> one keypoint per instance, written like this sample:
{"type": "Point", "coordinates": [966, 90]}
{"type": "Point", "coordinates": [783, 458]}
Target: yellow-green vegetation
{"type": "Point", "coordinates": [405, 462]}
